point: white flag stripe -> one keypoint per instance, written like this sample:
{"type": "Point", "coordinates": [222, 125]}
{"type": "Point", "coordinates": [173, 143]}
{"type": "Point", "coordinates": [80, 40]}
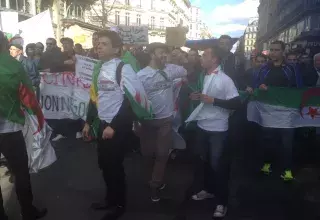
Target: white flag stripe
{"type": "Point", "coordinates": [272, 116]}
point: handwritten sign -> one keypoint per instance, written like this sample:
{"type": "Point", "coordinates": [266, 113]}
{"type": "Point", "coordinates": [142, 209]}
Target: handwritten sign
{"type": "Point", "coordinates": [133, 34]}
{"type": "Point", "coordinates": [176, 36]}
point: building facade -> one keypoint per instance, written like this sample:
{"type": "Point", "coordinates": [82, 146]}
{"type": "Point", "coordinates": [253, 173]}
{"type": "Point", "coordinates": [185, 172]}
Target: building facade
{"type": "Point", "coordinates": [195, 24]}
{"type": "Point", "coordinates": [286, 19]}
{"type": "Point", "coordinates": [156, 14]}
{"type": "Point", "coordinates": [250, 36]}
{"type": "Point", "coordinates": [25, 8]}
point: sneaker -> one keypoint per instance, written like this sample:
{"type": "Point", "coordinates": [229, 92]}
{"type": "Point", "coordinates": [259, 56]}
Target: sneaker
{"type": "Point", "coordinates": [78, 135]}
{"type": "Point", "coordinates": [155, 195]}
{"type": "Point", "coordinates": [202, 196]}
{"type": "Point", "coordinates": [58, 137]}
{"type": "Point", "coordinates": [287, 175]}
{"type": "Point", "coordinates": [266, 169]}
{"type": "Point", "coordinates": [163, 186]}
{"type": "Point", "coordinates": [220, 211]}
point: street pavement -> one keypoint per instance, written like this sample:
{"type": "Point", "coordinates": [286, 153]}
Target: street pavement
{"type": "Point", "coordinates": [70, 185]}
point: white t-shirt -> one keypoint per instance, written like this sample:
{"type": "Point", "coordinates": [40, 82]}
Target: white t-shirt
{"type": "Point", "coordinates": [222, 87]}
{"type": "Point", "coordinates": [159, 89]}
{"type": "Point", "coordinates": [110, 95]}
{"type": "Point", "coordinates": [8, 126]}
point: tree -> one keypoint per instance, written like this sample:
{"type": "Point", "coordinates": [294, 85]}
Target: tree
{"type": "Point", "coordinates": [101, 11]}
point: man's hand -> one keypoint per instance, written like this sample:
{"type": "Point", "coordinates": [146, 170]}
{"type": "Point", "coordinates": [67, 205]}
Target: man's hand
{"type": "Point", "coordinates": [108, 133]}
{"type": "Point", "coordinates": [85, 130]}
{"type": "Point", "coordinates": [207, 99]}
{"type": "Point", "coordinates": [195, 96]}
{"type": "Point", "coordinates": [249, 90]}
{"type": "Point", "coordinates": [263, 87]}
{"type": "Point", "coordinates": [69, 62]}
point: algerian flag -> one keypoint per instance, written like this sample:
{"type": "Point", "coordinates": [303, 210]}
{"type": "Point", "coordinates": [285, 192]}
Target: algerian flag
{"type": "Point", "coordinates": [19, 105]}
{"type": "Point", "coordinates": [285, 107]}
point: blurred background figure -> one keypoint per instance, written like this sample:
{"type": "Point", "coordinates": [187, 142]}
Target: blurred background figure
{"type": "Point", "coordinates": [292, 58]}
{"type": "Point", "coordinates": [78, 49]}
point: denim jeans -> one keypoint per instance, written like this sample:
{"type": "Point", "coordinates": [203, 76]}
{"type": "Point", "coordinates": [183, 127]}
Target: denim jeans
{"type": "Point", "coordinates": [269, 139]}
{"type": "Point", "coordinates": [212, 169]}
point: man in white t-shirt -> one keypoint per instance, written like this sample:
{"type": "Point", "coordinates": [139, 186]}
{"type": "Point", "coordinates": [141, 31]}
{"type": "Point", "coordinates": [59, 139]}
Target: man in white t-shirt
{"type": "Point", "coordinates": [156, 135]}
{"type": "Point", "coordinates": [218, 98]}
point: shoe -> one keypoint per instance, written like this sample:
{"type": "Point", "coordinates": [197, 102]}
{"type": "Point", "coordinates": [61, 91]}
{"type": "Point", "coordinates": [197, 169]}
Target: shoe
{"type": "Point", "coordinates": [58, 137]}
{"type": "Point", "coordinates": [155, 195]}
{"type": "Point", "coordinates": [162, 187]}
{"type": "Point", "coordinates": [266, 169]}
{"type": "Point", "coordinates": [202, 195]}
{"type": "Point", "coordinates": [287, 175]}
{"type": "Point", "coordinates": [36, 214]}
{"type": "Point", "coordinates": [114, 213]}
{"type": "Point", "coordinates": [78, 135]}
{"type": "Point", "coordinates": [99, 206]}
{"type": "Point", "coordinates": [220, 211]}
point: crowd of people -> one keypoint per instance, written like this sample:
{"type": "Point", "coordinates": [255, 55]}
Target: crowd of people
{"type": "Point", "coordinates": [210, 87]}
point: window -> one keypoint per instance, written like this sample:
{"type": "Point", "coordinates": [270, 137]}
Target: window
{"type": "Point", "coordinates": [152, 22]}
{"type": "Point", "coordinates": [161, 23]}
{"type": "Point", "coordinates": [152, 5]}
{"type": "Point", "coordinates": [127, 19]}
{"type": "Point", "coordinates": [117, 18]}
{"type": "Point", "coordinates": [127, 2]}
{"type": "Point", "coordinates": [197, 27]}
{"type": "Point", "coordinates": [138, 20]}
{"type": "Point", "coordinates": [190, 26]}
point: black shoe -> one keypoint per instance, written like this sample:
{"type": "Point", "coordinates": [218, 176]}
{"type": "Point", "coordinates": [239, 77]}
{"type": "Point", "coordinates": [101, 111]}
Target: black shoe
{"type": "Point", "coordinates": [36, 214]}
{"type": "Point", "coordinates": [114, 213]}
{"type": "Point", "coordinates": [99, 206]}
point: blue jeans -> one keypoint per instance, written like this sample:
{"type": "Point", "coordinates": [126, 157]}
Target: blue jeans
{"type": "Point", "coordinates": [270, 137]}
{"type": "Point", "coordinates": [212, 169]}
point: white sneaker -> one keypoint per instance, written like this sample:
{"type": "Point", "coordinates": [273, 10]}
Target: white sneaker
{"type": "Point", "coordinates": [58, 137]}
{"type": "Point", "coordinates": [202, 195]}
{"type": "Point", "coordinates": [220, 211]}
{"type": "Point", "coordinates": [79, 135]}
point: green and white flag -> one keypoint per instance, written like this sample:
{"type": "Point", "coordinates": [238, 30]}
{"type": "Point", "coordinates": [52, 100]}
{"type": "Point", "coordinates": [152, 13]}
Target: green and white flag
{"type": "Point", "coordinates": [285, 107]}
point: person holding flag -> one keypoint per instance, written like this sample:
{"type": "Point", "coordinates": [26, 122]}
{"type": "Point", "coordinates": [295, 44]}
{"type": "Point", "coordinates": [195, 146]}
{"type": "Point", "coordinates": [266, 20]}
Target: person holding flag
{"type": "Point", "coordinates": [17, 95]}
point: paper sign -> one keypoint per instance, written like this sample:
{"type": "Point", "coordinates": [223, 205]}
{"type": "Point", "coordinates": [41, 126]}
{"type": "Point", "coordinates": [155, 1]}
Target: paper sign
{"type": "Point", "coordinates": [133, 34]}
{"type": "Point", "coordinates": [176, 36]}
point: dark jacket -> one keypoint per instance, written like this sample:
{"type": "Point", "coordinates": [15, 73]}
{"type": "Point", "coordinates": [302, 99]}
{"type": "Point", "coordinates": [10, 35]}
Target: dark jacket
{"type": "Point", "coordinates": [68, 67]}
{"type": "Point", "coordinates": [285, 75]}
{"type": "Point", "coordinates": [31, 69]}
{"type": "Point", "coordinates": [52, 60]}
{"type": "Point", "coordinates": [228, 65]}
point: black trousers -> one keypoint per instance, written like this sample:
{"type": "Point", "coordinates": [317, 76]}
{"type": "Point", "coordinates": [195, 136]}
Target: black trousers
{"type": "Point", "coordinates": [111, 154]}
{"type": "Point", "coordinates": [13, 147]}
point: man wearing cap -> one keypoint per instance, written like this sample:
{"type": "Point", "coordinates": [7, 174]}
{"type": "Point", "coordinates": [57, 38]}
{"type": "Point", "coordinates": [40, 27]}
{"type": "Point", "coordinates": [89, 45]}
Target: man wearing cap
{"type": "Point", "coordinates": [156, 135]}
{"type": "Point", "coordinates": [16, 51]}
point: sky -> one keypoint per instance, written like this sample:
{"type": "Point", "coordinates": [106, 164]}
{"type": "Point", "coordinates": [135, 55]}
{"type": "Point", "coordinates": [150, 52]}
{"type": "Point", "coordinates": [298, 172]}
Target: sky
{"type": "Point", "coordinates": [227, 16]}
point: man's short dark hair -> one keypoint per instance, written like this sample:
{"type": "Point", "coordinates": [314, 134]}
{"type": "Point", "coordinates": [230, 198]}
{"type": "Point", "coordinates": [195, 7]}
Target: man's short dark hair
{"type": "Point", "coordinates": [79, 45]}
{"type": "Point", "coordinates": [113, 36]}
{"type": "Point", "coordinates": [32, 45]}
{"type": "Point", "coordinates": [281, 43]}
{"type": "Point", "coordinates": [291, 53]}
{"type": "Point", "coordinates": [40, 44]}
{"type": "Point", "coordinates": [53, 40]}
{"type": "Point", "coordinates": [95, 33]}
{"type": "Point", "coordinates": [216, 51]}
{"type": "Point", "coordinates": [261, 55]}
{"type": "Point", "coordinates": [194, 50]}
{"type": "Point", "coordinates": [225, 37]}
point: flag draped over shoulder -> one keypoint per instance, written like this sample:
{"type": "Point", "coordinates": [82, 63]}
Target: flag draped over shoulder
{"type": "Point", "coordinates": [16, 93]}
{"type": "Point", "coordinates": [128, 58]}
{"type": "Point", "coordinates": [285, 107]}
{"type": "Point", "coordinates": [133, 89]}
{"type": "Point", "coordinates": [19, 105]}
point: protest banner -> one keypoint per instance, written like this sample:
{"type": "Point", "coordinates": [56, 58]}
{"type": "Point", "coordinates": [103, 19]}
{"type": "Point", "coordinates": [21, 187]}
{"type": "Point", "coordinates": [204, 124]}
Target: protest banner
{"type": "Point", "coordinates": [176, 36]}
{"type": "Point", "coordinates": [65, 95]}
{"type": "Point", "coordinates": [133, 35]}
